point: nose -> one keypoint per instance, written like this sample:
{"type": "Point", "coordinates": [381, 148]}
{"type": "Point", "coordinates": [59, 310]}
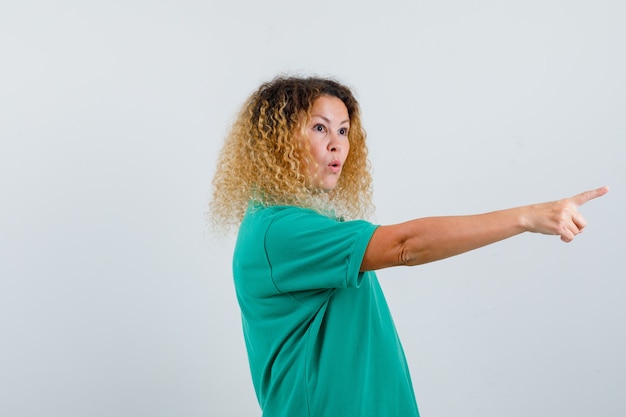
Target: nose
{"type": "Point", "coordinates": [335, 143]}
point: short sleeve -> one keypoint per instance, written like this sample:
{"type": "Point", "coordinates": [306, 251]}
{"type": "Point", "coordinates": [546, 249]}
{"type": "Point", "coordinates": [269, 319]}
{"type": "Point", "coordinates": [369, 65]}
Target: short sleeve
{"type": "Point", "coordinates": [307, 250]}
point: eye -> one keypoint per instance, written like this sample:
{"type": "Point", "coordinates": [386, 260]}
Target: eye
{"type": "Point", "coordinates": [343, 131]}
{"type": "Point", "coordinates": [319, 128]}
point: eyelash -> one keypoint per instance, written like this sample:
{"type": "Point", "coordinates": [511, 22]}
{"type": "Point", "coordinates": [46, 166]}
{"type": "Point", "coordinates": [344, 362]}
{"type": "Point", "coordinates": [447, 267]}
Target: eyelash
{"type": "Point", "coordinates": [343, 131]}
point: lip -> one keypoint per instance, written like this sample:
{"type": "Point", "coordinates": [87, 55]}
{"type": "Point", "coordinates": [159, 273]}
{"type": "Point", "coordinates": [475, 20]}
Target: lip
{"type": "Point", "coordinates": [335, 166]}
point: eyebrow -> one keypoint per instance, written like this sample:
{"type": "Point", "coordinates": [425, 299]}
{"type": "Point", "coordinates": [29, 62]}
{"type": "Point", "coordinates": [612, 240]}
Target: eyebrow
{"type": "Point", "coordinates": [327, 120]}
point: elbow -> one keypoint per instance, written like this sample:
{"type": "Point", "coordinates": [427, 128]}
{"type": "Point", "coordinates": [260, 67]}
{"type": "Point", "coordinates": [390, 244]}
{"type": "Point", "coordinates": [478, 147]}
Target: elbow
{"type": "Point", "coordinates": [408, 257]}
{"type": "Point", "coordinates": [410, 254]}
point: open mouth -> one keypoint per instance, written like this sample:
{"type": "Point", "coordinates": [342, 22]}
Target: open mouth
{"type": "Point", "coordinates": [335, 166]}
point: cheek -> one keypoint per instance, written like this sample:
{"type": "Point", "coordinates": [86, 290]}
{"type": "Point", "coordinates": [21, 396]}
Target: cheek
{"type": "Point", "coordinates": [346, 150]}
{"type": "Point", "coordinates": [316, 150]}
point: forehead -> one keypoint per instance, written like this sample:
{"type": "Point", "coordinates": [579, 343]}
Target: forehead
{"type": "Point", "coordinates": [328, 106]}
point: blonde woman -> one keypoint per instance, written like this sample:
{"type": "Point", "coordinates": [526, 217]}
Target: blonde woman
{"type": "Point", "coordinates": [293, 177]}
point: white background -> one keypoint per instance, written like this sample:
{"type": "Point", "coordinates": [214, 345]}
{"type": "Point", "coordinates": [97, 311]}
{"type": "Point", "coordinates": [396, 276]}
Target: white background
{"type": "Point", "coordinates": [115, 300]}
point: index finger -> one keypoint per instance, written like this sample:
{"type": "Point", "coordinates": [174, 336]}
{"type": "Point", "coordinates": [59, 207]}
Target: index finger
{"type": "Point", "coordinates": [582, 198]}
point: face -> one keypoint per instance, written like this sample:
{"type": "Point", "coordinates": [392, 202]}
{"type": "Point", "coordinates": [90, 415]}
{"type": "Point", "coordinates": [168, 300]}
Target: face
{"type": "Point", "coordinates": [327, 131]}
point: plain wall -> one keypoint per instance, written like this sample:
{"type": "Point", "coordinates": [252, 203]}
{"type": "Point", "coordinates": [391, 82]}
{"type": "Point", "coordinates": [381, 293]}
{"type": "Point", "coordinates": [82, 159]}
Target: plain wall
{"type": "Point", "coordinates": [115, 299]}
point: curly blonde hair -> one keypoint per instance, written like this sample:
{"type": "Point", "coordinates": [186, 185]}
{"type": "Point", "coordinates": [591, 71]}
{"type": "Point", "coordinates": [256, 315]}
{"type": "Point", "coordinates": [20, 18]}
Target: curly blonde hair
{"type": "Point", "coordinates": [263, 161]}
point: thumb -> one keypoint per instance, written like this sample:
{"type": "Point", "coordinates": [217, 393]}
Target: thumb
{"type": "Point", "coordinates": [582, 198]}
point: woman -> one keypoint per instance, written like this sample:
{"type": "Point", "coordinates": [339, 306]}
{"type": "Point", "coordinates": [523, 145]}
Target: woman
{"type": "Point", "coordinates": [293, 175]}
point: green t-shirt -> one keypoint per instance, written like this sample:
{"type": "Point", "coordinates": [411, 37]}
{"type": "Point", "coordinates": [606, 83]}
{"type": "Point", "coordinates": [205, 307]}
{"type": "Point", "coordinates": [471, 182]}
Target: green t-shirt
{"type": "Point", "coordinates": [320, 338]}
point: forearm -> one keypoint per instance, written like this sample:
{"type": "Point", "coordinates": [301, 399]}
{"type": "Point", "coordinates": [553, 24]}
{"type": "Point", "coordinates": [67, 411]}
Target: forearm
{"type": "Point", "coordinates": [434, 238]}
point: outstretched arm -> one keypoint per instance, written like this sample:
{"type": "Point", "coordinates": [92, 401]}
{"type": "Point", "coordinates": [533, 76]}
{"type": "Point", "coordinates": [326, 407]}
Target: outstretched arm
{"type": "Point", "coordinates": [433, 238]}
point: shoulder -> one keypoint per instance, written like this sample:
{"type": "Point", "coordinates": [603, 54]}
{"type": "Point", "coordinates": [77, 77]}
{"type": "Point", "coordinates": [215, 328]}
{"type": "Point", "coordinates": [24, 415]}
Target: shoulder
{"type": "Point", "coordinates": [299, 222]}
{"type": "Point", "coordinates": [304, 228]}
{"type": "Point", "coordinates": [268, 215]}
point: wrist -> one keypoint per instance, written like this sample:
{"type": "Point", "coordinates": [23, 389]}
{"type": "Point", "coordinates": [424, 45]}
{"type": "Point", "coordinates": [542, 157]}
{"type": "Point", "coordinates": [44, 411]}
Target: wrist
{"type": "Point", "coordinates": [523, 219]}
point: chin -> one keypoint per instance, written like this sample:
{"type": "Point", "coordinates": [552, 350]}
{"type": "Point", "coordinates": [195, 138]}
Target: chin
{"type": "Point", "coordinates": [326, 186]}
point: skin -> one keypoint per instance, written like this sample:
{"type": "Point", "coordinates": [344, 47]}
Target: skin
{"type": "Point", "coordinates": [430, 239]}
{"type": "Point", "coordinates": [327, 132]}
